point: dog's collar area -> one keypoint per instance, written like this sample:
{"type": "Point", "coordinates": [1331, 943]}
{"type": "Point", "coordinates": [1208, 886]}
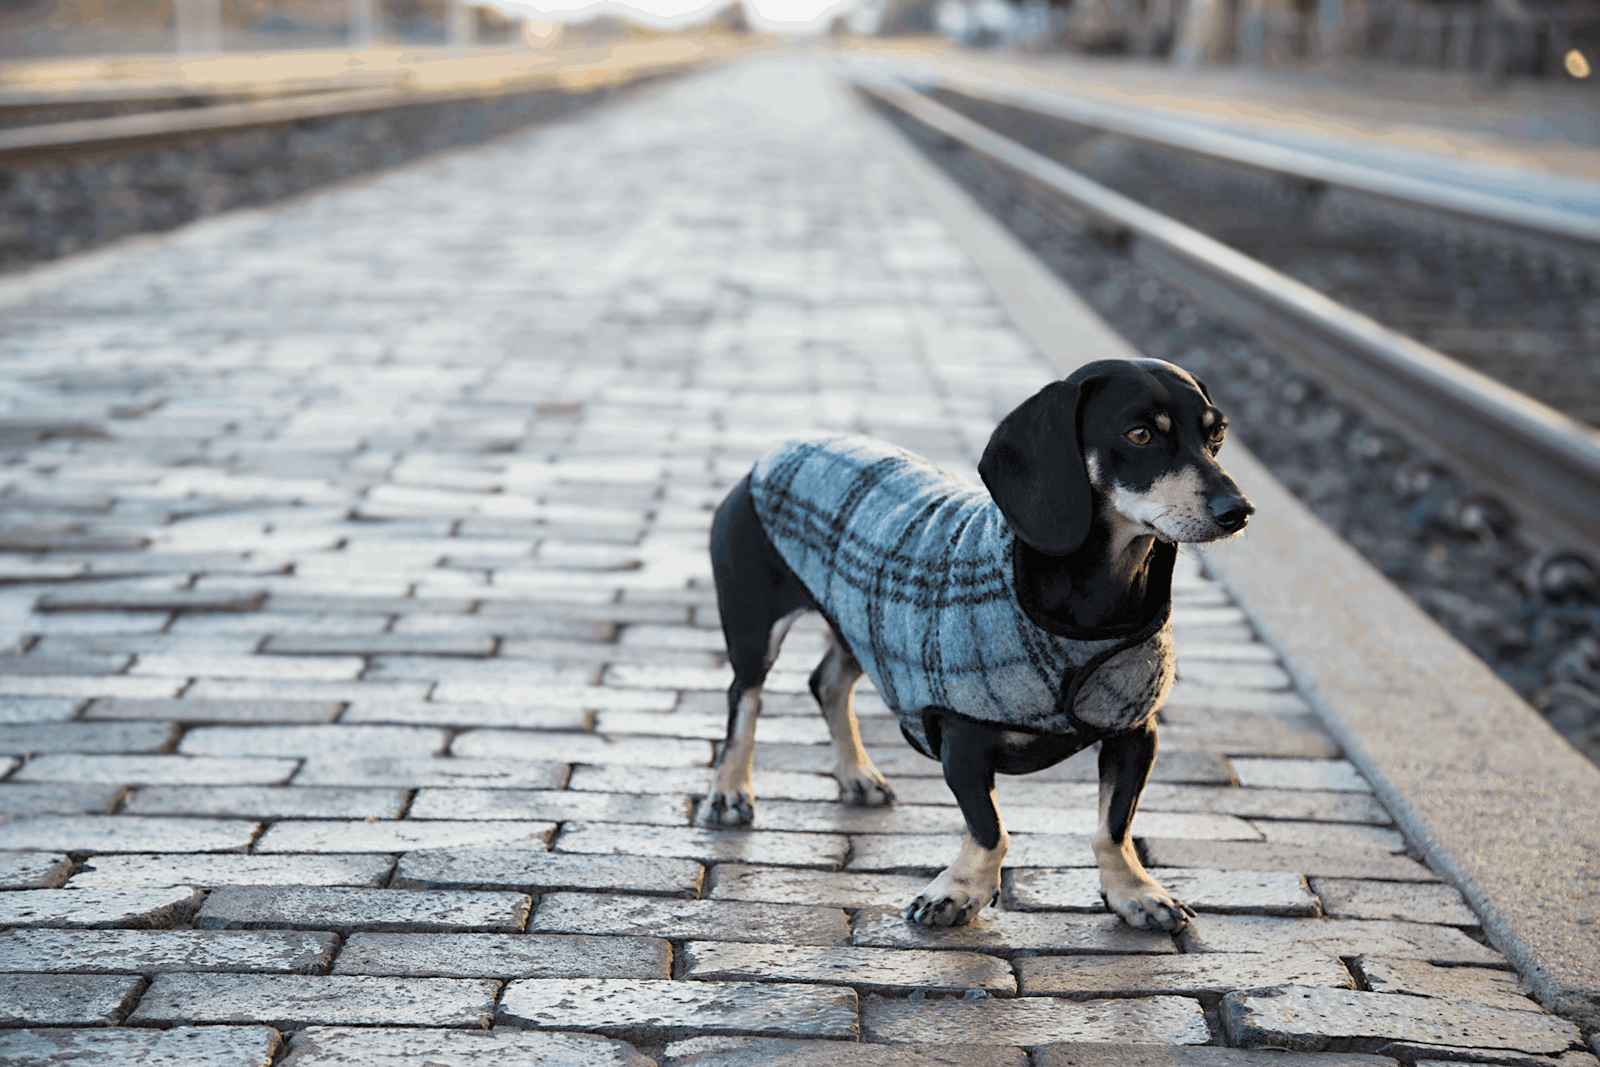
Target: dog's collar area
{"type": "Point", "coordinates": [1155, 610]}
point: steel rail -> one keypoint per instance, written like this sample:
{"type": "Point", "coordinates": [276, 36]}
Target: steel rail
{"type": "Point", "coordinates": [1544, 461]}
{"type": "Point", "coordinates": [1545, 226]}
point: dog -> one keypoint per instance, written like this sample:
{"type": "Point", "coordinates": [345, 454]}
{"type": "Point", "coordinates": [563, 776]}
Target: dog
{"type": "Point", "coordinates": [1006, 629]}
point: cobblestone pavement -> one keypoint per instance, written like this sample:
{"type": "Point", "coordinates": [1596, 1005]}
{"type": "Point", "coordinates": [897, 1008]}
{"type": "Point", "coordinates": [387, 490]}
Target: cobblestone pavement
{"type": "Point", "coordinates": [366, 666]}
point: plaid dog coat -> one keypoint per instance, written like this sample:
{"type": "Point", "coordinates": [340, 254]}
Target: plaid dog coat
{"type": "Point", "coordinates": [914, 569]}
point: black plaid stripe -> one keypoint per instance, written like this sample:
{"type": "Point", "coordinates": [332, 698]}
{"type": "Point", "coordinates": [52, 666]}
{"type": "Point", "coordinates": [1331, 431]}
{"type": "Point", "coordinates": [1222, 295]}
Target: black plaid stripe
{"type": "Point", "coordinates": [914, 568]}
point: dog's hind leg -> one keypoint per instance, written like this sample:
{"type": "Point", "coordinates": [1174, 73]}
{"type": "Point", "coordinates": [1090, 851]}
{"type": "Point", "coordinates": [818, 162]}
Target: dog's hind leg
{"type": "Point", "coordinates": [833, 683]}
{"type": "Point", "coordinates": [1128, 890]}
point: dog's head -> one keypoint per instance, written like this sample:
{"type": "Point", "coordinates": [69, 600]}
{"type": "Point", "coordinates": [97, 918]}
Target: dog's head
{"type": "Point", "coordinates": [1137, 439]}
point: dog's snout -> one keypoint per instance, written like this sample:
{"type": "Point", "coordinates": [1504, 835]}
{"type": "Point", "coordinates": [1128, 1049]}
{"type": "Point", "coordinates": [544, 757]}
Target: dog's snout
{"type": "Point", "coordinates": [1231, 512]}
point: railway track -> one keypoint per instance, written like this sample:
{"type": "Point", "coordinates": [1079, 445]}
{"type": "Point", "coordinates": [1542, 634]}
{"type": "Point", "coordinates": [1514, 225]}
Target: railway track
{"type": "Point", "coordinates": [1480, 501]}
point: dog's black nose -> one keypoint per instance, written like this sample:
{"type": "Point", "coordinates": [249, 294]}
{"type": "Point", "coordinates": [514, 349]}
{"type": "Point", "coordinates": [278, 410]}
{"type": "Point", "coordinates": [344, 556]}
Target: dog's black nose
{"type": "Point", "coordinates": [1232, 512]}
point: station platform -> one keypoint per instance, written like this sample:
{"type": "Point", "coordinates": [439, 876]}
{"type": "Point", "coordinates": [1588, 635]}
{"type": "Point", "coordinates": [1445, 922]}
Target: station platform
{"type": "Point", "coordinates": [366, 663]}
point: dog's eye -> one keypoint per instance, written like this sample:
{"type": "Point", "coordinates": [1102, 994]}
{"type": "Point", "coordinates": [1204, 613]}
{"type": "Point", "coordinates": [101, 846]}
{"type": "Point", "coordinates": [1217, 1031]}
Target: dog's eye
{"type": "Point", "coordinates": [1140, 436]}
{"type": "Point", "coordinates": [1218, 432]}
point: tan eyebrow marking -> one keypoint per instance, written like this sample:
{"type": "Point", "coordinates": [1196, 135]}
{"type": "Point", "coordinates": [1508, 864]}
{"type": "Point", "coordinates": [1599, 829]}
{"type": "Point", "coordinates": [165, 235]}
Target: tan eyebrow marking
{"type": "Point", "coordinates": [1211, 417]}
{"type": "Point", "coordinates": [1164, 423]}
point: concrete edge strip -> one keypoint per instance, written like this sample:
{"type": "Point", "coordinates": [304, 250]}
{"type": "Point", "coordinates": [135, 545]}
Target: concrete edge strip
{"type": "Point", "coordinates": [1495, 800]}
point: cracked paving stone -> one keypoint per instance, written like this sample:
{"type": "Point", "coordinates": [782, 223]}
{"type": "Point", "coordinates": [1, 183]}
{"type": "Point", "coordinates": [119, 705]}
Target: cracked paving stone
{"type": "Point", "coordinates": [794, 885]}
{"type": "Point", "coordinates": [555, 805]}
{"type": "Point", "coordinates": [346, 909]}
{"type": "Point", "coordinates": [67, 999]}
{"type": "Point", "coordinates": [265, 802]}
{"type": "Point", "coordinates": [445, 771]}
{"type": "Point", "coordinates": [1419, 978]}
{"type": "Point", "coordinates": [208, 871]}
{"type": "Point", "coordinates": [1349, 898]}
{"type": "Point", "coordinates": [790, 1052]}
{"type": "Point", "coordinates": [881, 969]}
{"type": "Point", "coordinates": [1238, 892]}
{"type": "Point", "coordinates": [710, 920]}
{"type": "Point", "coordinates": [706, 845]}
{"type": "Point", "coordinates": [149, 952]}
{"type": "Point", "coordinates": [1266, 856]}
{"type": "Point", "coordinates": [63, 798]}
{"type": "Point", "coordinates": [91, 908]}
{"type": "Point", "coordinates": [217, 711]}
{"type": "Point", "coordinates": [547, 871]}
{"type": "Point", "coordinates": [505, 956]}
{"type": "Point", "coordinates": [1206, 975]}
{"type": "Point", "coordinates": [126, 833]}
{"type": "Point", "coordinates": [291, 1002]}
{"type": "Point", "coordinates": [402, 836]}
{"type": "Point", "coordinates": [157, 770]}
{"type": "Point", "coordinates": [648, 1009]}
{"type": "Point", "coordinates": [1007, 932]}
{"type": "Point", "coordinates": [320, 1046]}
{"type": "Point", "coordinates": [209, 1046]}
{"type": "Point", "coordinates": [33, 870]}
{"type": "Point", "coordinates": [1316, 1020]}
{"type": "Point", "coordinates": [1099, 1055]}
{"type": "Point", "coordinates": [1035, 1021]}
{"type": "Point", "coordinates": [83, 737]}
{"type": "Point", "coordinates": [325, 742]}
{"type": "Point", "coordinates": [931, 852]}
{"type": "Point", "coordinates": [1336, 937]}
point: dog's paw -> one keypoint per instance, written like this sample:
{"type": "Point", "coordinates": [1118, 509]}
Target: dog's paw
{"type": "Point", "coordinates": [864, 789]}
{"type": "Point", "coordinates": [949, 901]}
{"type": "Point", "coordinates": [728, 809]}
{"type": "Point", "coordinates": [1149, 907]}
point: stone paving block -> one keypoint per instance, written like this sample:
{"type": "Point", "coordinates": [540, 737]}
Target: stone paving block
{"type": "Point", "coordinates": [202, 665]}
{"type": "Point", "coordinates": [86, 737]}
{"type": "Point", "coordinates": [38, 709]}
{"type": "Point", "coordinates": [320, 1046]}
{"type": "Point", "coordinates": [414, 955]}
{"type": "Point", "coordinates": [708, 920]}
{"type": "Point", "coordinates": [790, 1052]}
{"type": "Point", "coordinates": [1099, 1055]}
{"type": "Point", "coordinates": [334, 835]}
{"type": "Point", "coordinates": [448, 771]}
{"type": "Point", "coordinates": [583, 748]}
{"type": "Point", "coordinates": [148, 952]}
{"type": "Point", "coordinates": [834, 889]}
{"type": "Point", "coordinates": [33, 870]}
{"type": "Point", "coordinates": [933, 852]}
{"type": "Point", "coordinates": [1497, 989]}
{"type": "Point", "coordinates": [437, 713]}
{"type": "Point", "coordinates": [1032, 1021]}
{"type": "Point", "coordinates": [705, 845]}
{"type": "Point", "coordinates": [345, 909]}
{"type": "Point", "coordinates": [88, 686]}
{"type": "Point", "coordinates": [1349, 898]}
{"type": "Point", "coordinates": [292, 1002]}
{"type": "Point", "coordinates": [1247, 735]}
{"type": "Point", "coordinates": [1233, 675]}
{"type": "Point", "coordinates": [324, 742]}
{"type": "Point", "coordinates": [1007, 932]}
{"type": "Point", "coordinates": [881, 969]}
{"type": "Point", "coordinates": [1206, 975]}
{"type": "Point", "coordinates": [67, 999]}
{"type": "Point", "coordinates": [775, 785]}
{"type": "Point", "coordinates": [1328, 836]}
{"type": "Point", "coordinates": [125, 833]}
{"type": "Point", "coordinates": [648, 1009]}
{"type": "Point", "coordinates": [91, 908]}
{"type": "Point", "coordinates": [1258, 803]}
{"type": "Point", "coordinates": [1314, 1020]}
{"type": "Point", "coordinates": [555, 805]}
{"type": "Point", "coordinates": [1238, 892]}
{"type": "Point", "coordinates": [267, 802]}
{"type": "Point", "coordinates": [156, 770]}
{"type": "Point", "coordinates": [64, 798]}
{"type": "Point", "coordinates": [217, 711]}
{"type": "Point", "coordinates": [207, 871]}
{"type": "Point", "coordinates": [548, 871]}
{"type": "Point", "coordinates": [1337, 775]}
{"type": "Point", "coordinates": [300, 689]}
{"type": "Point", "coordinates": [364, 644]}
{"type": "Point", "coordinates": [208, 1046]}
{"type": "Point", "coordinates": [1264, 856]}
{"type": "Point", "coordinates": [89, 598]}
{"type": "Point", "coordinates": [1336, 937]}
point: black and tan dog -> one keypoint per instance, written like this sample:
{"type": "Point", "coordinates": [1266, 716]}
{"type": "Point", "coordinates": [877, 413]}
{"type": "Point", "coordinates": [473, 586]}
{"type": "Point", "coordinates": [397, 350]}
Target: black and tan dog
{"type": "Point", "coordinates": [1007, 629]}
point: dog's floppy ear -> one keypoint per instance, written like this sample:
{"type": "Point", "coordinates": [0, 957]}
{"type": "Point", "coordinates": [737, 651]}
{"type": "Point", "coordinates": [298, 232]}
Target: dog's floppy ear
{"type": "Point", "coordinates": [1035, 472]}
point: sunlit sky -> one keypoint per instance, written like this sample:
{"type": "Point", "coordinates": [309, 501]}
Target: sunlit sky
{"type": "Point", "coordinates": [793, 16]}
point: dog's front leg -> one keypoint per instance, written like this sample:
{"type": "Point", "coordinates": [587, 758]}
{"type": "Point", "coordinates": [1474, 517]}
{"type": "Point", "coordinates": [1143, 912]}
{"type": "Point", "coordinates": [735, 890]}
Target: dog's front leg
{"type": "Point", "coordinates": [972, 882]}
{"type": "Point", "coordinates": [1128, 890]}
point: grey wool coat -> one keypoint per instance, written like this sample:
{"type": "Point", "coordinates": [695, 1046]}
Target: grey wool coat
{"type": "Point", "coordinates": [914, 568]}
